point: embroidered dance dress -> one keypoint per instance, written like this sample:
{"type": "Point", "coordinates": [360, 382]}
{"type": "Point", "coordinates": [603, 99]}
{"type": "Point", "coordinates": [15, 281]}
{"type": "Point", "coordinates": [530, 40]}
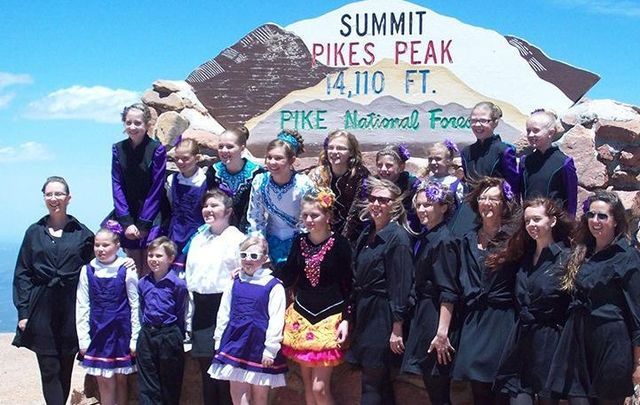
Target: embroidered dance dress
{"type": "Point", "coordinates": [322, 278]}
{"type": "Point", "coordinates": [274, 211]}
{"type": "Point", "coordinates": [551, 174]}
{"type": "Point", "coordinates": [240, 185]}
{"type": "Point", "coordinates": [542, 307]}
{"type": "Point", "coordinates": [107, 318]}
{"type": "Point", "coordinates": [383, 275]}
{"type": "Point", "coordinates": [249, 327]}
{"type": "Point", "coordinates": [595, 356]}
{"type": "Point", "coordinates": [137, 176]}
{"type": "Point", "coordinates": [435, 283]}
{"type": "Point", "coordinates": [488, 313]}
{"type": "Point", "coordinates": [489, 157]}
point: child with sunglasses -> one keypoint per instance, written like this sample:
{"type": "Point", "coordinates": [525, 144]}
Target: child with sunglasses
{"type": "Point", "coordinates": [248, 333]}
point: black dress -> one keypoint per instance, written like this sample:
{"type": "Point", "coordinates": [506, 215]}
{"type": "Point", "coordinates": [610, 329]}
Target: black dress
{"type": "Point", "coordinates": [436, 272]}
{"type": "Point", "coordinates": [383, 275]}
{"type": "Point", "coordinates": [595, 354]}
{"type": "Point", "coordinates": [490, 157]}
{"type": "Point", "coordinates": [45, 283]}
{"type": "Point", "coordinates": [488, 313]}
{"type": "Point", "coordinates": [542, 307]}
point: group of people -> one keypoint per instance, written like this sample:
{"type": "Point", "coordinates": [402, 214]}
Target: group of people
{"type": "Point", "coordinates": [486, 278]}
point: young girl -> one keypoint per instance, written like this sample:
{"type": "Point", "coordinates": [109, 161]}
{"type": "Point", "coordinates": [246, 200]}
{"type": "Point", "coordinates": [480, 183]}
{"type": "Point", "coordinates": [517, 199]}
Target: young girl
{"type": "Point", "coordinates": [107, 318]}
{"type": "Point", "coordinates": [440, 157]}
{"type": "Point", "coordinates": [340, 168]}
{"type": "Point", "coordinates": [274, 204]}
{"type": "Point", "coordinates": [184, 191]}
{"type": "Point", "coordinates": [316, 324]}
{"type": "Point", "coordinates": [234, 172]}
{"type": "Point", "coordinates": [213, 256]}
{"type": "Point", "coordinates": [137, 173]}
{"type": "Point", "coordinates": [249, 329]}
{"type": "Point", "coordinates": [391, 162]}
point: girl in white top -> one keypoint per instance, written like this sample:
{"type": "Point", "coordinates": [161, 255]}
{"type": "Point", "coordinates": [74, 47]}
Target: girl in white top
{"type": "Point", "coordinates": [213, 256]}
{"type": "Point", "coordinates": [107, 320]}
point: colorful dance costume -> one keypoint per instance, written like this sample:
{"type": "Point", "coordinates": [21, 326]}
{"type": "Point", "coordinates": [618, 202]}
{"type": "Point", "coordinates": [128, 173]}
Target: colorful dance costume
{"type": "Point", "coordinates": [488, 313]}
{"type": "Point", "coordinates": [322, 277]}
{"type": "Point", "coordinates": [240, 185]}
{"type": "Point", "coordinates": [274, 211]}
{"type": "Point", "coordinates": [551, 174]}
{"type": "Point", "coordinates": [347, 189]}
{"type": "Point", "coordinates": [107, 317]}
{"type": "Point", "coordinates": [137, 176]}
{"type": "Point", "coordinates": [542, 307]}
{"type": "Point", "coordinates": [595, 355]}
{"type": "Point", "coordinates": [250, 322]}
{"type": "Point", "coordinates": [489, 157]}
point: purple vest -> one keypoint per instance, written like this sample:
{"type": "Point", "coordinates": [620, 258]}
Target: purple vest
{"type": "Point", "coordinates": [186, 214]}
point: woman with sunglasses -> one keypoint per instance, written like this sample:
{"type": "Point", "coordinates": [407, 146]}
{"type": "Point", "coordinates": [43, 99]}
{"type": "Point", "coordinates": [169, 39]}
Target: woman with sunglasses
{"type": "Point", "coordinates": [547, 171]}
{"type": "Point", "coordinates": [52, 253]}
{"type": "Point", "coordinates": [488, 156]}
{"type": "Point", "coordinates": [598, 357]}
{"type": "Point", "coordinates": [213, 256]}
{"type": "Point", "coordinates": [383, 274]}
{"type": "Point", "coordinates": [488, 313]}
{"type": "Point", "coordinates": [540, 248]}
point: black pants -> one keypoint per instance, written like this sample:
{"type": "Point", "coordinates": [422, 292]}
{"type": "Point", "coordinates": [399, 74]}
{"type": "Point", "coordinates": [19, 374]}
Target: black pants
{"type": "Point", "coordinates": [160, 357]}
{"type": "Point", "coordinates": [55, 374]}
{"type": "Point", "coordinates": [214, 392]}
{"type": "Point", "coordinates": [377, 387]}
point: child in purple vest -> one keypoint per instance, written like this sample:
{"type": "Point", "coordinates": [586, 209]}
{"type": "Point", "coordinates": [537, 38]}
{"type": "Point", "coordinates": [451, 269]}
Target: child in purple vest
{"type": "Point", "coordinates": [249, 329]}
{"type": "Point", "coordinates": [107, 318]}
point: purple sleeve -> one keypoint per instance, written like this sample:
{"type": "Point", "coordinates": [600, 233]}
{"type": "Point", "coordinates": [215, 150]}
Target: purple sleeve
{"type": "Point", "coordinates": [570, 179]}
{"type": "Point", "coordinates": [117, 184]}
{"type": "Point", "coordinates": [151, 205]}
{"type": "Point", "coordinates": [510, 170]}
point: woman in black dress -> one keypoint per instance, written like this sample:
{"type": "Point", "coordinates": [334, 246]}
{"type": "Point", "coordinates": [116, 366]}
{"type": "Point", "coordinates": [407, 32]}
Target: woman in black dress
{"type": "Point", "coordinates": [487, 294]}
{"type": "Point", "coordinates": [44, 289]}
{"type": "Point", "coordinates": [540, 248]}
{"type": "Point", "coordinates": [598, 356]}
{"type": "Point", "coordinates": [429, 350]}
{"type": "Point", "coordinates": [383, 274]}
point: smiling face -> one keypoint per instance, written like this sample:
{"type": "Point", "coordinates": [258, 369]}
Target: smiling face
{"type": "Point", "coordinates": [490, 204]}
{"type": "Point", "coordinates": [314, 218]}
{"type": "Point", "coordinates": [229, 149]}
{"type": "Point", "coordinates": [389, 168]}
{"type": "Point", "coordinates": [338, 152]}
{"type": "Point", "coordinates": [214, 212]}
{"type": "Point", "coordinates": [438, 162]}
{"type": "Point", "coordinates": [56, 198]}
{"type": "Point", "coordinates": [252, 258]}
{"type": "Point", "coordinates": [105, 247]}
{"type": "Point", "coordinates": [159, 262]}
{"type": "Point", "coordinates": [538, 224]}
{"type": "Point", "coordinates": [482, 125]}
{"type": "Point", "coordinates": [134, 125]}
{"type": "Point", "coordinates": [601, 222]}
{"type": "Point", "coordinates": [429, 212]}
{"type": "Point", "coordinates": [540, 132]}
{"type": "Point", "coordinates": [186, 161]}
{"type": "Point", "coordinates": [277, 161]}
{"type": "Point", "coordinates": [379, 206]}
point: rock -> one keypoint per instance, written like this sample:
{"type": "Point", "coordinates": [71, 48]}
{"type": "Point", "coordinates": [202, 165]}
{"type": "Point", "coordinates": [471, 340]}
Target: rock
{"type": "Point", "coordinates": [154, 118]}
{"type": "Point", "coordinates": [619, 131]}
{"type": "Point", "coordinates": [624, 180]}
{"type": "Point", "coordinates": [631, 201]}
{"type": "Point", "coordinates": [170, 125]}
{"type": "Point", "coordinates": [170, 86]}
{"type": "Point", "coordinates": [205, 139]}
{"type": "Point", "coordinates": [166, 102]}
{"type": "Point", "coordinates": [630, 156]}
{"type": "Point", "coordinates": [198, 120]}
{"type": "Point", "coordinates": [588, 111]}
{"type": "Point", "coordinates": [605, 152]}
{"type": "Point", "coordinates": [579, 144]}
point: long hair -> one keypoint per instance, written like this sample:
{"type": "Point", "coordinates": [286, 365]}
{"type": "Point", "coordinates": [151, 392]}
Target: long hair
{"type": "Point", "coordinates": [585, 242]}
{"type": "Point", "coordinates": [324, 166]}
{"type": "Point", "coordinates": [520, 243]}
{"type": "Point", "coordinates": [510, 204]}
{"type": "Point", "coordinates": [396, 209]}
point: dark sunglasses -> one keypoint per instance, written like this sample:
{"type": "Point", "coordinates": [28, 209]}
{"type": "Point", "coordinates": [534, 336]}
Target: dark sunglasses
{"type": "Point", "coordinates": [252, 256]}
{"type": "Point", "coordinates": [380, 200]}
{"type": "Point", "coordinates": [600, 215]}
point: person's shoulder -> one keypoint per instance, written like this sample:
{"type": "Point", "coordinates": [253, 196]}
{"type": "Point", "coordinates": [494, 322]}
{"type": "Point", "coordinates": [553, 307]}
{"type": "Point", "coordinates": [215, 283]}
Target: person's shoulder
{"type": "Point", "coordinates": [234, 233]}
{"type": "Point", "coordinates": [80, 226]}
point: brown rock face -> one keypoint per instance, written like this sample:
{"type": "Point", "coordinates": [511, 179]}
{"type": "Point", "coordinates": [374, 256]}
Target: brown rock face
{"type": "Point", "coordinates": [169, 126]}
{"type": "Point", "coordinates": [620, 131]}
{"type": "Point", "coordinates": [579, 143]}
{"type": "Point", "coordinates": [163, 101]}
{"type": "Point", "coordinates": [630, 156]}
{"type": "Point", "coordinates": [605, 152]}
{"type": "Point", "coordinates": [206, 140]}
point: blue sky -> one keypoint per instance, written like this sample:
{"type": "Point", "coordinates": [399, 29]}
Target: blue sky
{"type": "Point", "coordinates": [67, 68]}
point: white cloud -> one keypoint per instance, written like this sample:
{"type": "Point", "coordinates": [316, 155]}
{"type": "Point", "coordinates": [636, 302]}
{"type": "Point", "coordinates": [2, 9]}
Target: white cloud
{"type": "Point", "coordinates": [28, 151]}
{"type": "Point", "coordinates": [5, 99]}
{"type": "Point", "coordinates": [97, 103]}
{"type": "Point", "coordinates": [10, 79]}
{"type": "Point", "coordinates": [625, 8]}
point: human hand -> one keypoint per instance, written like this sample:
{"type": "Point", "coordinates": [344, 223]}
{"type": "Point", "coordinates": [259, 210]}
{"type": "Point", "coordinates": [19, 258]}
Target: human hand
{"type": "Point", "coordinates": [342, 332]}
{"type": "Point", "coordinates": [235, 273]}
{"type": "Point", "coordinates": [443, 348]}
{"type": "Point", "coordinates": [267, 361]}
{"type": "Point", "coordinates": [132, 232]}
{"type": "Point", "coordinates": [129, 264]}
{"type": "Point", "coordinates": [396, 342]}
{"type": "Point", "coordinates": [22, 324]}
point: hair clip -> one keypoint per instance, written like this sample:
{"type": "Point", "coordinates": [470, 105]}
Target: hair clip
{"type": "Point", "coordinates": [225, 189]}
{"type": "Point", "coordinates": [506, 191]}
{"type": "Point", "coordinates": [451, 146]}
{"type": "Point", "coordinates": [404, 152]}
{"type": "Point", "coordinates": [113, 226]}
{"type": "Point", "coordinates": [585, 205]}
{"type": "Point", "coordinates": [434, 192]}
{"type": "Point", "coordinates": [291, 140]}
{"type": "Point", "coordinates": [325, 198]}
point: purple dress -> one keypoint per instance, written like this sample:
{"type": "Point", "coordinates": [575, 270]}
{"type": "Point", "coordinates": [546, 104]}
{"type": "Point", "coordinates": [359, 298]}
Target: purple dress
{"type": "Point", "coordinates": [186, 211]}
{"type": "Point", "coordinates": [110, 324]}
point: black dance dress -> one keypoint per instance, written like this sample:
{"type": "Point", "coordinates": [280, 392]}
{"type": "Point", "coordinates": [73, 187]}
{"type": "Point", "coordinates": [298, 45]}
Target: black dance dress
{"type": "Point", "coordinates": [595, 354]}
{"type": "Point", "coordinates": [542, 307]}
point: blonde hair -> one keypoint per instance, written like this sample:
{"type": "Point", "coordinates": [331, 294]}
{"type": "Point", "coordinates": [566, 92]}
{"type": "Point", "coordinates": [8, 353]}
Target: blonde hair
{"type": "Point", "coordinates": [552, 119]}
{"type": "Point", "coordinates": [496, 112]}
{"type": "Point", "coordinates": [254, 240]}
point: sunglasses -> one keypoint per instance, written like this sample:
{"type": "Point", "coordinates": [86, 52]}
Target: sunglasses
{"type": "Point", "coordinates": [252, 255]}
{"type": "Point", "coordinates": [600, 215]}
{"type": "Point", "coordinates": [380, 200]}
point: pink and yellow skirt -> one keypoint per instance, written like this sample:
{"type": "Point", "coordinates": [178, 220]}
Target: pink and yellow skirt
{"type": "Point", "coordinates": [311, 345]}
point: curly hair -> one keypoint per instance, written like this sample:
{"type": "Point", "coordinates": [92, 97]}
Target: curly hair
{"type": "Point", "coordinates": [324, 168]}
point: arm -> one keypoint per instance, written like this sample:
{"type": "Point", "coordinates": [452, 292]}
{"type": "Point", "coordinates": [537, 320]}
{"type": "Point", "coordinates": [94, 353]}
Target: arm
{"type": "Point", "coordinates": [151, 205]}
{"type": "Point", "coordinates": [131, 282]}
{"type": "Point", "coordinates": [190, 310]}
{"type": "Point", "coordinates": [570, 181]}
{"type": "Point", "coordinates": [399, 269]}
{"type": "Point", "coordinates": [223, 316]}
{"type": "Point", "coordinates": [441, 342]}
{"type": "Point", "coordinates": [273, 337]}
{"type": "Point", "coordinates": [119, 197]}
{"type": "Point", "coordinates": [22, 279]}
{"type": "Point", "coordinates": [167, 187]}
{"type": "Point", "coordinates": [509, 170]}
{"type": "Point", "coordinates": [82, 311]}
{"type": "Point", "coordinates": [256, 213]}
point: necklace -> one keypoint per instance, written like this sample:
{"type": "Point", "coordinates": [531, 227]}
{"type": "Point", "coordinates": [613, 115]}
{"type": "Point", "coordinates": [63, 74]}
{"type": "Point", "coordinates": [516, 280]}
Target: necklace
{"type": "Point", "coordinates": [313, 257]}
